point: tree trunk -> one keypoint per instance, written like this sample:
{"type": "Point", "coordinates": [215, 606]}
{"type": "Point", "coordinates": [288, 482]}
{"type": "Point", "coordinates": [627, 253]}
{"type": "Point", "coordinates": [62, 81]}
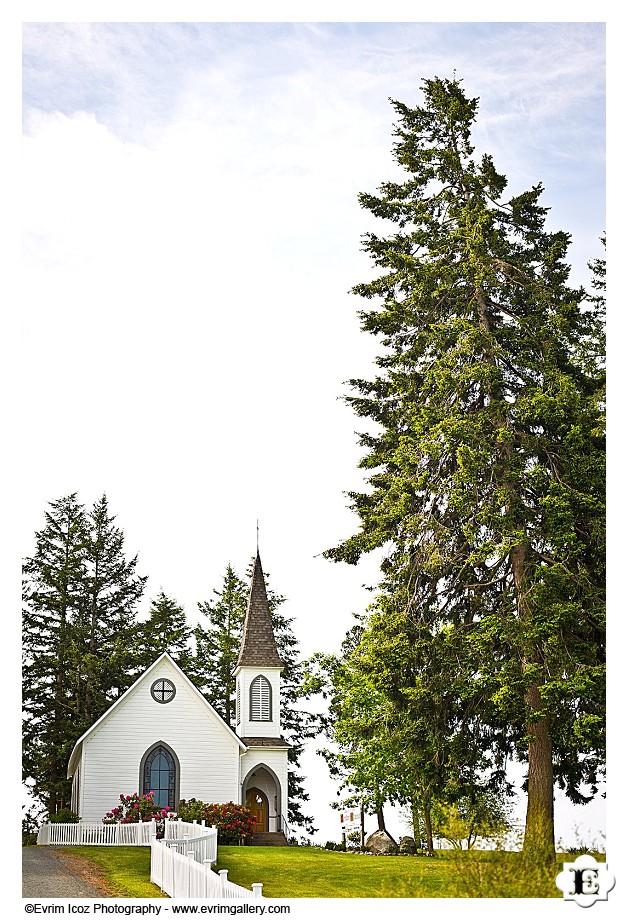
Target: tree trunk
{"type": "Point", "coordinates": [538, 843]}
{"type": "Point", "coordinates": [416, 823]}
{"type": "Point", "coordinates": [380, 819]}
{"type": "Point", "coordinates": [429, 839]}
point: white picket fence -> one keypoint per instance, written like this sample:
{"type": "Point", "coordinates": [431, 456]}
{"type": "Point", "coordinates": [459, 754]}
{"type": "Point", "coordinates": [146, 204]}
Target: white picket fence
{"type": "Point", "coordinates": [117, 835]}
{"type": "Point", "coordinates": [182, 875]}
{"type": "Point", "coordinates": [204, 847]}
{"type": "Point", "coordinates": [87, 834]}
{"type": "Point", "coordinates": [180, 864]}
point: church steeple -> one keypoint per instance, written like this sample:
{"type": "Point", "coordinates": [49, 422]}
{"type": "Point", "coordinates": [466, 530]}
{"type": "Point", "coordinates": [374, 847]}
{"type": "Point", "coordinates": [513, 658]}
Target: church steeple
{"type": "Point", "coordinates": [258, 669]}
{"type": "Point", "coordinates": [258, 648]}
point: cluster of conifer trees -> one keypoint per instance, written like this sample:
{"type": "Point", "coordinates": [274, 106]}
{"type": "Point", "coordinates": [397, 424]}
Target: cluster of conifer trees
{"type": "Point", "coordinates": [84, 645]}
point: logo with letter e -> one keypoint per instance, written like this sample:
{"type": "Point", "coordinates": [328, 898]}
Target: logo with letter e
{"type": "Point", "coordinates": [585, 881]}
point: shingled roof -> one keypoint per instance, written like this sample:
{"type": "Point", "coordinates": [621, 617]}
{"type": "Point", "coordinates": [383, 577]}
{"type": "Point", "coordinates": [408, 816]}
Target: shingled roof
{"type": "Point", "coordinates": [258, 648]}
{"type": "Point", "coordinates": [265, 742]}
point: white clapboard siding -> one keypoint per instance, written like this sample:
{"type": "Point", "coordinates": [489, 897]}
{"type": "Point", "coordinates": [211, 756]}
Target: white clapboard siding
{"type": "Point", "coordinates": [208, 752]}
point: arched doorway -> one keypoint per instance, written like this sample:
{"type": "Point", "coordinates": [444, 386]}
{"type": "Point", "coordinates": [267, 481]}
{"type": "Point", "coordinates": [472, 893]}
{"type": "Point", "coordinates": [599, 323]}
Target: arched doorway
{"type": "Point", "coordinates": [257, 802]}
{"type": "Point", "coordinates": [262, 778]}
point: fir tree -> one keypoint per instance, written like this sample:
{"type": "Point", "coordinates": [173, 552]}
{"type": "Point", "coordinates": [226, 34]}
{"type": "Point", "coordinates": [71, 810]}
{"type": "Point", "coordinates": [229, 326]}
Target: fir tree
{"type": "Point", "coordinates": [486, 472]}
{"type": "Point", "coordinates": [113, 591]}
{"type": "Point", "coordinates": [80, 594]}
{"type": "Point", "coordinates": [165, 630]}
{"type": "Point", "coordinates": [218, 641]}
{"type": "Point", "coordinates": [54, 602]}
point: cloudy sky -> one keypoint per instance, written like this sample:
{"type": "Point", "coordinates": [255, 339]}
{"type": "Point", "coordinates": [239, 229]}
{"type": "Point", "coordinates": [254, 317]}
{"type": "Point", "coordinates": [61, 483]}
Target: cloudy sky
{"type": "Point", "coordinates": [191, 234]}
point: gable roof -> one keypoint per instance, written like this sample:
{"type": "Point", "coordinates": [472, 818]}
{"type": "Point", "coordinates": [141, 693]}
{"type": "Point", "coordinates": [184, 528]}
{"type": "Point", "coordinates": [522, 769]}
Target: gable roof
{"type": "Point", "coordinates": [258, 647]}
{"type": "Point", "coordinates": [74, 756]}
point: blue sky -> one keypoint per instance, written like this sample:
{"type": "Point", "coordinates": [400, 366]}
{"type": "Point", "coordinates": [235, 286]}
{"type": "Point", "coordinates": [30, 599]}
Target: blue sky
{"type": "Point", "coordinates": [191, 232]}
{"type": "Point", "coordinates": [541, 87]}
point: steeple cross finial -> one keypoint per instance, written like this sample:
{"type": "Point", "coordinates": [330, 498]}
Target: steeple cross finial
{"type": "Point", "coordinates": [258, 535]}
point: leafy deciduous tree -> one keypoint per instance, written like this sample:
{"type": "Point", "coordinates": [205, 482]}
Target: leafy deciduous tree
{"type": "Point", "coordinates": [403, 714]}
{"type": "Point", "coordinates": [473, 817]}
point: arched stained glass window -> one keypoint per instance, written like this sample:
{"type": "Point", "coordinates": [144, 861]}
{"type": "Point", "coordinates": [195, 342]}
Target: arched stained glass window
{"type": "Point", "coordinates": [261, 699]}
{"type": "Point", "coordinates": [160, 776]}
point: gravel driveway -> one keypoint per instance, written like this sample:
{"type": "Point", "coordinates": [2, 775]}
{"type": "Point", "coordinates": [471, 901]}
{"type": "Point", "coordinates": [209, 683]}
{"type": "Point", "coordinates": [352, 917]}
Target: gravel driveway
{"type": "Point", "coordinates": [46, 875]}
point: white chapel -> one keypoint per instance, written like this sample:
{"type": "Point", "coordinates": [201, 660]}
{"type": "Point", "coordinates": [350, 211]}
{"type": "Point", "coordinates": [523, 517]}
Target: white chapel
{"type": "Point", "coordinates": [163, 736]}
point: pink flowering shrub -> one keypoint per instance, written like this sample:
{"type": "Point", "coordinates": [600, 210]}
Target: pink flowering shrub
{"type": "Point", "coordinates": [135, 808]}
{"type": "Point", "coordinates": [234, 822]}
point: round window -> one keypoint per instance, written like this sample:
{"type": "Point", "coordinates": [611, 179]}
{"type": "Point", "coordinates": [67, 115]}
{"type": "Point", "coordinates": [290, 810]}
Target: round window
{"type": "Point", "coordinates": [163, 690]}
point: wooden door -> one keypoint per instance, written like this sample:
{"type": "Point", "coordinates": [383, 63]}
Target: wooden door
{"type": "Point", "coordinates": [258, 804]}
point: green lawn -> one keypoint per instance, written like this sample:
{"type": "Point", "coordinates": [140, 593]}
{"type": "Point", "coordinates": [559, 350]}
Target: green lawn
{"type": "Point", "coordinates": [308, 872]}
{"type": "Point", "coordinates": [125, 870]}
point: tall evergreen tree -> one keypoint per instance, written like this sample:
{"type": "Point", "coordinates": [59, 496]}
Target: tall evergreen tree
{"type": "Point", "coordinates": [165, 630]}
{"type": "Point", "coordinates": [54, 601]}
{"type": "Point", "coordinates": [113, 590]}
{"type": "Point", "coordinates": [80, 594]}
{"type": "Point", "coordinates": [218, 641]}
{"type": "Point", "coordinates": [217, 647]}
{"type": "Point", "coordinates": [486, 472]}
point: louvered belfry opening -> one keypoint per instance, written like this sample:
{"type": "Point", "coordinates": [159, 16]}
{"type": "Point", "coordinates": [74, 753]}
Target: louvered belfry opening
{"type": "Point", "coordinates": [261, 700]}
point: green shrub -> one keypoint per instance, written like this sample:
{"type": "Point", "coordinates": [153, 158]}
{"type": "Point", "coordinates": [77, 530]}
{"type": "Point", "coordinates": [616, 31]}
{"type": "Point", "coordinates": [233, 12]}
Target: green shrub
{"type": "Point", "coordinates": [64, 816]}
{"type": "Point", "coordinates": [191, 810]}
{"type": "Point", "coordinates": [332, 845]}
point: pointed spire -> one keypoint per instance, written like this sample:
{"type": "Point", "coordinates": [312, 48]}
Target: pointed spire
{"type": "Point", "coordinates": [258, 647]}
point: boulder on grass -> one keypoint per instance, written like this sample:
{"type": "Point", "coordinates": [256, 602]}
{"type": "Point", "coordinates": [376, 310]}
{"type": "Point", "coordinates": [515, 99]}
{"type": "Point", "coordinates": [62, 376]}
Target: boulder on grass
{"type": "Point", "coordinates": [380, 843]}
{"type": "Point", "coordinates": [407, 847]}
